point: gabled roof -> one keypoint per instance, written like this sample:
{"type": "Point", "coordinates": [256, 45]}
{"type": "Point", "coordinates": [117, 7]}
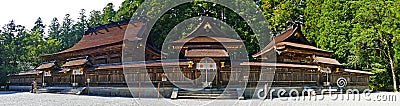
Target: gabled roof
{"type": "Point", "coordinates": [45, 66]}
{"type": "Point", "coordinates": [104, 36]}
{"type": "Point", "coordinates": [282, 45]}
{"type": "Point", "coordinates": [204, 37]}
{"type": "Point", "coordinates": [206, 53]}
{"type": "Point", "coordinates": [207, 28]}
{"type": "Point", "coordinates": [291, 37]}
{"type": "Point", "coordinates": [286, 65]}
{"type": "Point", "coordinates": [357, 71]}
{"type": "Point", "coordinates": [141, 64]}
{"type": "Point", "coordinates": [77, 62]}
{"type": "Point", "coordinates": [207, 39]}
{"type": "Point", "coordinates": [32, 72]}
{"type": "Point", "coordinates": [325, 60]}
{"type": "Point", "coordinates": [112, 34]}
{"type": "Point", "coordinates": [207, 32]}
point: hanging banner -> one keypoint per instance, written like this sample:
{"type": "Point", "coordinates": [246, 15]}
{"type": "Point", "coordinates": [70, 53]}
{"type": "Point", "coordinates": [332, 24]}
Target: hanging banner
{"type": "Point", "coordinates": [325, 70]}
{"type": "Point", "coordinates": [202, 66]}
{"type": "Point", "coordinates": [77, 71]}
{"type": "Point", "coordinates": [164, 77]}
{"type": "Point", "coordinates": [47, 74]}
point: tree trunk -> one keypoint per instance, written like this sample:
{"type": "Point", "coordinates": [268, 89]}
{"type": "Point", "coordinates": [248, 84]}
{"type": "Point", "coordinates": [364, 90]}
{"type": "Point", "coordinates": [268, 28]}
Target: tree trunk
{"type": "Point", "coordinates": [392, 68]}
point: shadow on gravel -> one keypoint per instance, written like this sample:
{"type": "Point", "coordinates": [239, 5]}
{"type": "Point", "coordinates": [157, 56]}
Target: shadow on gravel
{"type": "Point", "coordinates": [7, 92]}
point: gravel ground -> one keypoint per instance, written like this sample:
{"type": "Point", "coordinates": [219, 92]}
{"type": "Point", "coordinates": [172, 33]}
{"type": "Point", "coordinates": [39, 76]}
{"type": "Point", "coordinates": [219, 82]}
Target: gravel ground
{"type": "Point", "coordinates": [29, 99]}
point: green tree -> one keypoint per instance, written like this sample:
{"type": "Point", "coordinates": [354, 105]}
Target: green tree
{"type": "Point", "coordinates": [108, 14]}
{"type": "Point", "coordinates": [377, 23]}
{"type": "Point", "coordinates": [12, 59]}
{"type": "Point", "coordinates": [281, 12]}
{"type": "Point", "coordinates": [79, 27]}
{"type": "Point", "coordinates": [126, 10]}
{"type": "Point", "coordinates": [66, 32]}
{"type": "Point", "coordinates": [39, 26]}
{"type": "Point", "coordinates": [54, 29]}
{"type": "Point", "coordinates": [95, 18]}
{"type": "Point", "coordinates": [362, 34]}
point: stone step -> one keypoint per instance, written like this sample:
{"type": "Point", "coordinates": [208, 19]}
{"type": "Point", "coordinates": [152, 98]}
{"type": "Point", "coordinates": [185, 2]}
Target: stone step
{"type": "Point", "coordinates": [207, 95]}
{"type": "Point", "coordinates": [41, 91]}
{"type": "Point", "coordinates": [201, 92]}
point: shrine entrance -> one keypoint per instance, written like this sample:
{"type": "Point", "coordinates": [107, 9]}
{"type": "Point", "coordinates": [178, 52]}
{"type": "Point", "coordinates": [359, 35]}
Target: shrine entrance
{"type": "Point", "coordinates": [207, 73]}
{"type": "Point", "coordinates": [206, 47]}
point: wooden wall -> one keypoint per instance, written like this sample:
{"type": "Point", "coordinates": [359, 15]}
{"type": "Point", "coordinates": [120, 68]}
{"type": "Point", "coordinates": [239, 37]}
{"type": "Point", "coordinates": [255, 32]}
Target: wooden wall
{"type": "Point", "coordinates": [283, 77]}
{"type": "Point", "coordinates": [25, 80]}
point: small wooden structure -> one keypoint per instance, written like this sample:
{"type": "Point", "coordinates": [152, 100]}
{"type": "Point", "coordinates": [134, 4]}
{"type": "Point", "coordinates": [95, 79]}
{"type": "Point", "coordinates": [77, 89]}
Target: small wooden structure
{"type": "Point", "coordinates": [299, 64]}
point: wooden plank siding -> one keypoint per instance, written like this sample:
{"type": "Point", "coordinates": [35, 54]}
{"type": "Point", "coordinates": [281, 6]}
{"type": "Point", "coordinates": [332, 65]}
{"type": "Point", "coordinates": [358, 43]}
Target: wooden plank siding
{"type": "Point", "coordinates": [25, 80]}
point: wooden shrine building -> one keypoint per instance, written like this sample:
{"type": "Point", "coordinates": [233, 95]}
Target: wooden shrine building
{"type": "Point", "coordinates": [97, 59]}
{"type": "Point", "coordinates": [301, 65]}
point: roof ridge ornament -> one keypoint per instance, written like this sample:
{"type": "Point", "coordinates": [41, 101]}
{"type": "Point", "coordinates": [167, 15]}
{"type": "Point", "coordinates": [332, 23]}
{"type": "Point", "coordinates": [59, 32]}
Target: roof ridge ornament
{"type": "Point", "coordinates": [207, 26]}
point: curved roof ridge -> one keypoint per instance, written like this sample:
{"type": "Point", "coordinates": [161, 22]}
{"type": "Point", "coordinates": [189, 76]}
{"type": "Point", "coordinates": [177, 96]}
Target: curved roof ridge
{"type": "Point", "coordinates": [209, 27]}
{"type": "Point", "coordinates": [276, 40]}
{"type": "Point", "coordinates": [109, 36]}
{"type": "Point", "coordinates": [105, 26]}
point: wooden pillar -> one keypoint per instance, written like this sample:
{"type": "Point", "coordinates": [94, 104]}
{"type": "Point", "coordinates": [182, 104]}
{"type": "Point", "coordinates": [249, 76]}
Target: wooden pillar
{"type": "Point", "coordinates": [318, 79]}
{"type": "Point", "coordinates": [108, 57]}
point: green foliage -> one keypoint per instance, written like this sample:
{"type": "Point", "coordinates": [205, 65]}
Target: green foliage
{"type": "Point", "coordinates": [281, 12]}
{"type": "Point", "coordinates": [128, 7]}
{"type": "Point", "coordinates": [194, 9]}
{"type": "Point", "coordinates": [54, 29]}
{"type": "Point", "coordinates": [364, 35]}
{"type": "Point", "coordinates": [108, 14]}
{"type": "Point", "coordinates": [95, 18]}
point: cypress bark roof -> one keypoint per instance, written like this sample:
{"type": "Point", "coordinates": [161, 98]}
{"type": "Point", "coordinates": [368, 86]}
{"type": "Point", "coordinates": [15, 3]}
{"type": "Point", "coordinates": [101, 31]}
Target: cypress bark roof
{"type": "Point", "coordinates": [207, 28]}
{"type": "Point", "coordinates": [206, 53]}
{"type": "Point", "coordinates": [357, 71]}
{"type": "Point", "coordinates": [77, 62]}
{"type": "Point", "coordinates": [207, 32]}
{"type": "Point", "coordinates": [105, 36]}
{"type": "Point", "coordinates": [279, 65]}
{"type": "Point", "coordinates": [207, 39]}
{"type": "Point", "coordinates": [139, 65]}
{"type": "Point", "coordinates": [325, 60]}
{"type": "Point", "coordinates": [32, 72]}
{"type": "Point", "coordinates": [108, 35]}
{"type": "Point", "coordinates": [292, 37]}
{"type": "Point", "coordinates": [45, 66]}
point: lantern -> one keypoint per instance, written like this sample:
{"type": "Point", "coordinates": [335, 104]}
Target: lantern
{"type": "Point", "coordinates": [319, 68]}
{"type": "Point", "coordinates": [163, 77]}
{"type": "Point", "coordinates": [81, 70]}
{"type": "Point", "coordinates": [139, 45]}
{"type": "Point", "coordinates": [222, 64]}
{"type": "Point", "coordinates": [190, 64]}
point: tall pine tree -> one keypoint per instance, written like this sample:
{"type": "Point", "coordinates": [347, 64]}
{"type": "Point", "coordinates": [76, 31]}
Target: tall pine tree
{"type": "Point", "coordinates": [108, 14]}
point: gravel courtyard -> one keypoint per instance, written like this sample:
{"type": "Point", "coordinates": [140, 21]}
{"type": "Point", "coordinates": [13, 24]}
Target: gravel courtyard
{"type": "Point", "coordinates": [46, 99]}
